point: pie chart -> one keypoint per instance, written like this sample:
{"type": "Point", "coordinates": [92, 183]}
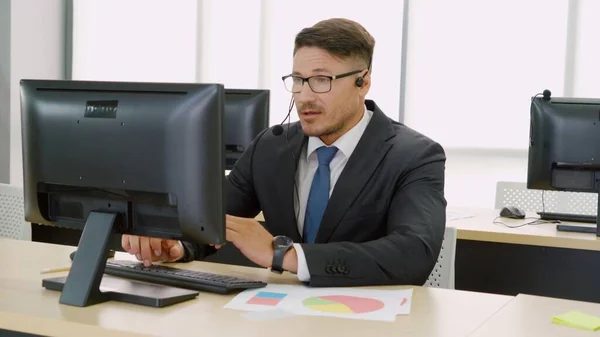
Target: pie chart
{"type": "Point", "coordinates": [343, 304]}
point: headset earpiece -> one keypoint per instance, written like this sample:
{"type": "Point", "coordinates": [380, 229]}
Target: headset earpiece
{"type": "Point", "coordinates": [359, 82]}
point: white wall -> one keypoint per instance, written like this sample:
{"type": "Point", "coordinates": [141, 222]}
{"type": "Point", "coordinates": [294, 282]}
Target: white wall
{"type": "Point", "coordinates": [134, 40]}
{"type": "Point", "coordinates": [471, 174]}
{"type": "Point", "coordinates": [229, 43]}
{"type": "Point", "coordinates": [240, 43]}
{"type": "Point", "coordinates": [4, 91]}
{"type": "Point", "coordinates": [284, 19]}
{"type": "Point", "coordinates": [472, 66]}
{"type": "Point", "coordinates": [587, 51]}
{"type": "Point", "coordinates": [37, 51]}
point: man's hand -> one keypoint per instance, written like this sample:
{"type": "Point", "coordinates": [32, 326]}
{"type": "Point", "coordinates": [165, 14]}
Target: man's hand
{"type": "Point", "coordinates": [152, 249]}
{"type": "Point", "coordinates": [251, 238]}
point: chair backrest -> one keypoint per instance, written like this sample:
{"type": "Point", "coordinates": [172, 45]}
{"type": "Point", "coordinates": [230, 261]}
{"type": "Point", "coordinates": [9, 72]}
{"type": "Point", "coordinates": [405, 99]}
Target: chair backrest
{"type": "Point", "coordinates": [442, 275]}
{"type": "Point", "coordinates": [510, 193]}
{"type": "Point", "coordinates": [12, 218]}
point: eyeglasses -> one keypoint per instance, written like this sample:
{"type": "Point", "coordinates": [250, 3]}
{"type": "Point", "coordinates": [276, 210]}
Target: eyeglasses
{"type": "Point", "coordinates": [318, 84]}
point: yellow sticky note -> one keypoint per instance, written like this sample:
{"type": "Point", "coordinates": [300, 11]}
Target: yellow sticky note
{"type": "Point", "coordinates": [578, 320]}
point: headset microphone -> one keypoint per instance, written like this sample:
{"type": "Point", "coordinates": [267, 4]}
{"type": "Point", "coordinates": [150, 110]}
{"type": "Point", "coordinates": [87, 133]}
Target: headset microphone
{"type": "Point", "coordinates": [361, 79]}
{"type": "Point", "coordinates": [546, 94]}
{"type": "Point", "coordinates": [278, 129]}
{"type": "Point", "coordinates": [545, 97]}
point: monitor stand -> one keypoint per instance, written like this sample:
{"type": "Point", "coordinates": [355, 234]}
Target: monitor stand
{"type": "Point", "coordinates": [577, 218]}
{"type": "Point", "coordinates": [82, 287]}
{"type": "Point", "coordinates": [576, 229]}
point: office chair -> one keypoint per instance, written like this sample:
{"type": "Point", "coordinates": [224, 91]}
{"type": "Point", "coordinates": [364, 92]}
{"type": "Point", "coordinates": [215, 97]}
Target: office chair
{"type": "Point", "coordinates": [12, 218]}
{"type": "Point", "coordinates": [442, 275]}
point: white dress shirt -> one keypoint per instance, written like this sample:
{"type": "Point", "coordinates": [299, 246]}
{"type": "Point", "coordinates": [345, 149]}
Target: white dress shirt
{"type": "Point", "coordinates": [307, 166]}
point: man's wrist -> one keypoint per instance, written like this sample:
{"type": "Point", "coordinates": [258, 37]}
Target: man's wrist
{"type": "Point", "coordinates": [183, 252]}
{"type": "Point", "coordinates": [185, 256]}
{"type": "Point", "coordinates": [290, 261]}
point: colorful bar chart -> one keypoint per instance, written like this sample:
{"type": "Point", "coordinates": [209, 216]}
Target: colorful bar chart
{"type": "Point", "coordinates": [266, 298]}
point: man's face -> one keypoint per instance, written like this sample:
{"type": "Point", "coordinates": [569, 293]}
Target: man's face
{"type": "Point", "coordinates": [328, 115]}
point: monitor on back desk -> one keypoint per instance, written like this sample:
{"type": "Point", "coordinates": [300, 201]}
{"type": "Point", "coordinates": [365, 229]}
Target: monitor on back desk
{"type": "Point", "coordinates": [564, 151]}
{"type": "Point", "coordinates": [246, 115]}
{"type": "Point", "coordinates": [122, 158]}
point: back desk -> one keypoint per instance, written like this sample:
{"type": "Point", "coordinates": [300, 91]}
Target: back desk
{"type": "Point", "coordinates": [532, 259]}
{"type": "Point", "coordinates": [23, 302]}
{"type": "Point", "coordinates": [480, 226]}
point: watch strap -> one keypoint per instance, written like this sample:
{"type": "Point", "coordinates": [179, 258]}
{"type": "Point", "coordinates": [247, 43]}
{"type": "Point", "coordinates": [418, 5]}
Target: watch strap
{"type": "Point", "coordinates": [278, 254]}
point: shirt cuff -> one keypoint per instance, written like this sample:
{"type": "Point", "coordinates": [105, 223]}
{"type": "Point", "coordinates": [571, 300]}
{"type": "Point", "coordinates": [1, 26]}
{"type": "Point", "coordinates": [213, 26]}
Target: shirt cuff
{"type": "Point", "coordinates": [302, 273]}
{"type": "Point", "coordinates": [185, 254]}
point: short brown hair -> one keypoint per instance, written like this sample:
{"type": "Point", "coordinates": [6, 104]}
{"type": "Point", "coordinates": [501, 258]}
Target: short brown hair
{"type": "Point", "coordinates": [342, 38]}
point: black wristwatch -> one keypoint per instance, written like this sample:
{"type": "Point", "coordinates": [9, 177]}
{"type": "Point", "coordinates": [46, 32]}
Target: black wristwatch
{"type": "Point", "coordinates": [281, 244]}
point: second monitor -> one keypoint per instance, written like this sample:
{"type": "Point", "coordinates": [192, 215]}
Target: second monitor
{"type": "Point", "coordinates": [246, 115]}
{"type": "Point", "coordinates": [564, 151]}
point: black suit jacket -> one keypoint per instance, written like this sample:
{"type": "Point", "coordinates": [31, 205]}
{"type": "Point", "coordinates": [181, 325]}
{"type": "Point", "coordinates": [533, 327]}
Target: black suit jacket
{"type": "Point", "coordinates": [384, 222]}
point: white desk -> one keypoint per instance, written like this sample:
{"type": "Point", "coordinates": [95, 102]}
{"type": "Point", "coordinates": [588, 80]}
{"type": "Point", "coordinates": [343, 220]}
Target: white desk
{"type": "Point", "coordinates": [481, 227]}
{"type": "Point", "coordinates": [435, 312]}
{"type": "Point", "coordinates": [48, 327]}
{"type": "Point", "coordinates": [531, 316]}
{"type": "Point", "coordinates": [532, 259]}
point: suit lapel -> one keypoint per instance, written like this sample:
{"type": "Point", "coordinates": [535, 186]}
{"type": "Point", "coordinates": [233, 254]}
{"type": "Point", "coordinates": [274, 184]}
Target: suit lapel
{"type": "Point", "coordinates": [287, 168]}
{"type": "Point", "coordinates": [367, 155]}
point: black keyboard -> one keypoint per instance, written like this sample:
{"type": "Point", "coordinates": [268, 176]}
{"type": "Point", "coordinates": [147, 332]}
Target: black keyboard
{"type": "Point", "coordinates": [567, 217]}
{"type": "Point", "coordinates": [180, 278]}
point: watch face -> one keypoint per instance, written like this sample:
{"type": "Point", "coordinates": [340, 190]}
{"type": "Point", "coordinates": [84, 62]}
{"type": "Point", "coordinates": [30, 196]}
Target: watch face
{"type": "Point", "coordinates": [282, 242]}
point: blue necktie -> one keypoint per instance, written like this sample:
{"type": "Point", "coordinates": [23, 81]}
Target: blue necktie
{"type": "Point", "coordinates": [319, 194]}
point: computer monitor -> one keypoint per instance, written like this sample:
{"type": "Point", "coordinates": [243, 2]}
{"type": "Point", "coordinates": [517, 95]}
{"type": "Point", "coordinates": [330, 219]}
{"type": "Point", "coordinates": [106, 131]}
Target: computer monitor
{"type": "Point", "coordinates": [246, 115]}
{"type": "Point", "coordinates": [122, 158]}
{"type": "Point", "coordinates": [564, 148]}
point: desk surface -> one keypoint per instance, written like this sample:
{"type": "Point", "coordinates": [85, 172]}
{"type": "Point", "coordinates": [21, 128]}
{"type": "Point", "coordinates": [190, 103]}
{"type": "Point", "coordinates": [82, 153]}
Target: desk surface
{"type": "Point", "coordinates": [531, 316]}
{"type": "Point", "coordinates": [47, 327]}
{"type": "Point", "coordinates": [434, 312]}
{"type": "Point", "coordinates": [481, 227]}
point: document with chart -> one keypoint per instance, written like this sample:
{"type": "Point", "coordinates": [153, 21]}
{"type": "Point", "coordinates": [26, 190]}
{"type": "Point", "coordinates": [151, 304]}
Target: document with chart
{"type": "Point", "coordinates": [352, 303]}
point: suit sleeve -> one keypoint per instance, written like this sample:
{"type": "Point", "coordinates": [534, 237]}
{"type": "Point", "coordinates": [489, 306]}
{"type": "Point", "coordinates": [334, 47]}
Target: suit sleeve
{"type": "Point", "coordinates": [240, 198]}
{"type": "Point", "coordinates": [415, 230]}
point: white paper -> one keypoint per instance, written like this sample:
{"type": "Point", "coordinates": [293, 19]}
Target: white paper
{"type": "Point", "coordinates": [267, 315]}
{"type": "Point", "coordinates": [351, 303]}
{"type": "Point", "coordinates": [378, 305]}
{"type": "Point", "coordinates": [405, 301]}
{"type": "Point", "coordinates": [450, 216]}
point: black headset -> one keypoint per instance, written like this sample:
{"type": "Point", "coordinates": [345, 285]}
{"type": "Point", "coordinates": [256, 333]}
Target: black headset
{"type": "Point", "coordinates": [360, 81]}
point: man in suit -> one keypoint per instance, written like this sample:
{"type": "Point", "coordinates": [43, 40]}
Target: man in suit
{"type": "Point", "coordinates": [349, 196]}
